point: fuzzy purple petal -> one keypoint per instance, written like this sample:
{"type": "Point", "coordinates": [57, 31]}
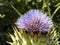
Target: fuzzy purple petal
{"type": "Point", "coordinates": [35, 20]}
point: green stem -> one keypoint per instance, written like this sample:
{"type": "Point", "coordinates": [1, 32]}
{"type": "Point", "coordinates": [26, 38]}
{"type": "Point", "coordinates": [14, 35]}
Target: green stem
{"type": "Point", "coordinates": [16, 10]}
{"type": "Point", "coordinates": [55, 11]}
{"type": "Point", "coordinates": [43, 7]}
{"type": "Point", "coordinates": [48, 8]}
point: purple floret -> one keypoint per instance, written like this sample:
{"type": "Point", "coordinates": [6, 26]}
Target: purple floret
{"type": "Point", "coordinates": [35, 20]}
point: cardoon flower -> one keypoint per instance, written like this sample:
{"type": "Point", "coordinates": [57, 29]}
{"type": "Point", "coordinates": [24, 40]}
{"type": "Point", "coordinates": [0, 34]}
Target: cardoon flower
{"type": "Point", "coordinates": [34, 20]}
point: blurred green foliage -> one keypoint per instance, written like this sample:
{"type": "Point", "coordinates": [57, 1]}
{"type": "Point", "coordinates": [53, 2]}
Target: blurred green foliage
{"type": "Point", "coordinates": [9, 14]}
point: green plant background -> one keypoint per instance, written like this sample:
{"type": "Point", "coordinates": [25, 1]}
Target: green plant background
{"type": "Point", "coordinates": [10, 10]}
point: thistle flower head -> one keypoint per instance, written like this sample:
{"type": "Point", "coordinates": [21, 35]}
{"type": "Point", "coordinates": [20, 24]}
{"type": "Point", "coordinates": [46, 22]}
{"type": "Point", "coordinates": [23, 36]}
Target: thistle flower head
{"type": "Point", "coordinates": [35, 20]}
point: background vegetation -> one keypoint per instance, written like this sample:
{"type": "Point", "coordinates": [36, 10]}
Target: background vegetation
{"type": "Point", "coordinates": [10, 10]}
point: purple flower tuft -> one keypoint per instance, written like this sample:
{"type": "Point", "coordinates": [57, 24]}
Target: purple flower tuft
{"type": "Point", "coordinates": [35, 20]}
